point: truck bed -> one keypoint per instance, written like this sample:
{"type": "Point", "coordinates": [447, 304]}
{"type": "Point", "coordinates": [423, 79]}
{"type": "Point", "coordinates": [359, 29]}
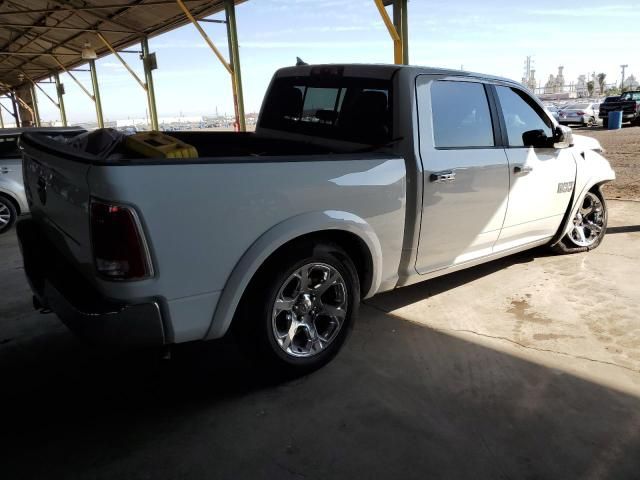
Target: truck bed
{"type": "Point", "coordinates": [211, 147]}
{"type": "Point", "coordinates": [200, 216]}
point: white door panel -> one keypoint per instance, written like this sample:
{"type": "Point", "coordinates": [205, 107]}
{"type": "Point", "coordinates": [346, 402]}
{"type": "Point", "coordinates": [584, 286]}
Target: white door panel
{"type": "Point", "coordinates": [541, 179]}
{"type": "Point", "coordinates": [461, 220]}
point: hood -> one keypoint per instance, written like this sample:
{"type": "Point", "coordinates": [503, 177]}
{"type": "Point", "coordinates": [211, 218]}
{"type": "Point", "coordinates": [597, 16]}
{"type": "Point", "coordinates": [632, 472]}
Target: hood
{"type": "Point", "coordinates": [583, 143]}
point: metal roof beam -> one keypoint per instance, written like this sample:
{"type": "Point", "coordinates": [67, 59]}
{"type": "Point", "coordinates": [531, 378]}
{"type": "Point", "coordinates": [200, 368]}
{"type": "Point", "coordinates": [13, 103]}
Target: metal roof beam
{"type": "Point", "coordinates": [70, 29]}
{"type": "Point", "coordinates": [38, 54]}
{"type": "Point", "coordinates": [105, 18]}
{"type": "Point", "coordinates": [93, 7]}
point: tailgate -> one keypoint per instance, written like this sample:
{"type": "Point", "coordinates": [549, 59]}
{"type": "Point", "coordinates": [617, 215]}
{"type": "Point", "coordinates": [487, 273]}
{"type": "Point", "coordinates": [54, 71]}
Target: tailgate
{"type": "Point", "coordinates": [628, 106]}
{"type": "Point", "coordinates": [58, 194]}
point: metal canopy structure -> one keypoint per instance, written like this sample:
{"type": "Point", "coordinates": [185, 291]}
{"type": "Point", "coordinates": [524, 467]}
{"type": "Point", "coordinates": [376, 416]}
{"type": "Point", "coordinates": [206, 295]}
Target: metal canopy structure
{"type": "Point", "coordinates": [39, 39]}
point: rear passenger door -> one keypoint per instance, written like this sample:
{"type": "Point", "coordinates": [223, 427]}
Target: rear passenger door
{"type": "Point", "coordinates": [541, 178]}
{"type": "Point", "coordinates": [465, 172]}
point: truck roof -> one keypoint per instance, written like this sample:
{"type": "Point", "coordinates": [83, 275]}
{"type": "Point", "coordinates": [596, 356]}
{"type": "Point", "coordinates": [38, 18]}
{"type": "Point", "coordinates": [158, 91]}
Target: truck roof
{"type": "Point", "coordinates": [381, 71]}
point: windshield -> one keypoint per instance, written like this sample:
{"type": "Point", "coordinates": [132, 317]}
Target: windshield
{"type": "Point", "coordinates": [630, 96]}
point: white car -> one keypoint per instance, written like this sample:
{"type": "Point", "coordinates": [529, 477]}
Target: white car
{"type": "Point", "coordinates": [358, 179]}
{"type": "Point", "coordinates": [13, 201]}
{"type": "Point", "coordinates": [584, 114]}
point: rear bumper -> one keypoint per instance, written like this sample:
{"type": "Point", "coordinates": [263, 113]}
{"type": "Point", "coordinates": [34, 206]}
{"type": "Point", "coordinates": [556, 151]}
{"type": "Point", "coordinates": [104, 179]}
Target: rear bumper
{"type": "Point", "coordinates": [57, 285]}
{"type": "Point", "coordinates": [568, 120]}
{"type": "Point", "coordinates": [625, 116]}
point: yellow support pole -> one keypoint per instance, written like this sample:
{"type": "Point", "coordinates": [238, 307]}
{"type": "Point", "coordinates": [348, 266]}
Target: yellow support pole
{"type": "Point", "coordinates": [397, 41]}
{"type": "Point", "coordinates": [204, 36]}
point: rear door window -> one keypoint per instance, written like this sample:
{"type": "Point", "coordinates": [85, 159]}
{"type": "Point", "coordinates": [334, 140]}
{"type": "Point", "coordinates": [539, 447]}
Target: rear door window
{"type": "Point", "coordinates": [461, 116]}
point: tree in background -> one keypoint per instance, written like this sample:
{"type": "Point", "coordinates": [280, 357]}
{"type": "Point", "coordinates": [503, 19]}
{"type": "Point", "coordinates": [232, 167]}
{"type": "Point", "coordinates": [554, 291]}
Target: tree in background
{"type": "Point", "coordinates": [590, 86]}
{"type": "Point", "coordinates": [612, 91]}
{"type": "Point", "coordinates": [601, 78]}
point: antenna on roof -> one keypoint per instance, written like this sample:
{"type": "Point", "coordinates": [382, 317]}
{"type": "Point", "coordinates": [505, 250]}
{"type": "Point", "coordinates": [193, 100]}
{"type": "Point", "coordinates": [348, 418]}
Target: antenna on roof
{"type": "Point", "coordinates": [299, 62]}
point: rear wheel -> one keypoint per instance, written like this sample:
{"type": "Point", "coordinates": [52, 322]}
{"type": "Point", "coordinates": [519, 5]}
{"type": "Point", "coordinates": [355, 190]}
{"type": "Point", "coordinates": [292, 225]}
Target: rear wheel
{"type": "Point", "coordinates": [589, 225]}
{"type": "Point", "coordinates": [8, 214]}
{"type": "Point", "coordinates": [301, 308]}
{"type": "Point", "coordinates": [605, 123]}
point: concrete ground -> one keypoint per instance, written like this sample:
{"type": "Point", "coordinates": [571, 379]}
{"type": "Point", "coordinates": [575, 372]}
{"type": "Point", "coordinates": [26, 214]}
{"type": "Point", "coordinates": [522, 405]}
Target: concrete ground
{"type": "Point", "coordinates": [524, 368]}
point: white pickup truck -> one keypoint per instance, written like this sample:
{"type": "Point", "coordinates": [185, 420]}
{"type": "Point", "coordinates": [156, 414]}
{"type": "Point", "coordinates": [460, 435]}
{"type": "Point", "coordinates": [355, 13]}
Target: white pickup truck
{"type": "Point", "coordinates": [358, 179]}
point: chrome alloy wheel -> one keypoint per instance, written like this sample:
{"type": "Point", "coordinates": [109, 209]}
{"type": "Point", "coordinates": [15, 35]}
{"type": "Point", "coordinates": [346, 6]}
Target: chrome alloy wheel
{"type": "Point", "coordinates": [309, 310]}
{"type": "Point", "coordinates": [588, 222]}
{"type": "Point", "coordinates": [5, 215]}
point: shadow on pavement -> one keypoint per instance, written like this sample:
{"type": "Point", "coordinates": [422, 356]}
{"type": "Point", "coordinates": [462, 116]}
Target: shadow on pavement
{"type": "Point", "coordinates": [623, 229]}
{"type": "Point", "coordinates": [402, 401]}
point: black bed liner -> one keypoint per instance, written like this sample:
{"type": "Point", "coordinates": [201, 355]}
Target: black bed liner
{"type": "Point", "coordinates": [213, 147]}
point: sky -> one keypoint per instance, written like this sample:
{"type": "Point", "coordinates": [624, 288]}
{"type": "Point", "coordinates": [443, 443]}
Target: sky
{"type": "Point", "coordinates": [491, 37]}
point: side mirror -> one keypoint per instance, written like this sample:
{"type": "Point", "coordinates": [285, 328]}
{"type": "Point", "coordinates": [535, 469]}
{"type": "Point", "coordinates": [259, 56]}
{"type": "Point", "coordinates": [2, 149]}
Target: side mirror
{"type": "Point", "coordinates": [536, 139]}
{"type": "Point", "coordinates": [562, 137]}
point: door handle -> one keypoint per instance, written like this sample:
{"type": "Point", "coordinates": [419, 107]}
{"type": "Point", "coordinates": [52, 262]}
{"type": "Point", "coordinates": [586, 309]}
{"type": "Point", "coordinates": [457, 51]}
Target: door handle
{"type": "Point", "coordinates": [522, 169]}
{"type": "Point", "coordinates": [4, 170]}
{"type": "Point", "coordinates": [446, 176]}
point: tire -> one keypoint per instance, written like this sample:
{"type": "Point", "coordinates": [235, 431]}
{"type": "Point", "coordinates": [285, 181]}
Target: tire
{"type": "Point", "coordinates": [590, 226]}
{"type": "Point", "coordinates": [8, 214]}
{"type": "Point", "coordinates": [325, 319]}
{"type": "Point", "coordinates": [605, 123]}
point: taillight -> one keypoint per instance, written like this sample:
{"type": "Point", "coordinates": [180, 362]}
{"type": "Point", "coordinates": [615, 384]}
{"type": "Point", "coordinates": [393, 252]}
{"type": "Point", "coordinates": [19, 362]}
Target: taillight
{"type": "Point", "coordinates": [581, 113]}
{"type": "Point", "coordinates": [119, 248]}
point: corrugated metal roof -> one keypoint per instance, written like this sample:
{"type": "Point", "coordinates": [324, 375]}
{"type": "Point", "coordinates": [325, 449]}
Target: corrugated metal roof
{"type": "Point", "coordinates": [36, 33]}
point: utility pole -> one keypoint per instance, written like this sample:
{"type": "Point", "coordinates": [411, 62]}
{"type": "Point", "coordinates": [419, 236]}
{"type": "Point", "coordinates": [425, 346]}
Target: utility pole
{"type": "Point", "coordinates": [622, 81]}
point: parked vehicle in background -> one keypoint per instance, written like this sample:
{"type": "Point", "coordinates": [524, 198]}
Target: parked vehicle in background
{"type": "Point", "coordinates": [13, 201]}
{"type": "Point", "coordinates": [358, 179]}
{"type": "Point", "coordinates": [553, 110]}
{"type": "Point", "coordinates": [578, 113]}
{"type": "Point", "coordinates": [628, 103]}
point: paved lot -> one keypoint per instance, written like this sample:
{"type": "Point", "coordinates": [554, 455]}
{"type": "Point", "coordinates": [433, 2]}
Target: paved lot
{"type": "Point", "coordinates": [527, 367]}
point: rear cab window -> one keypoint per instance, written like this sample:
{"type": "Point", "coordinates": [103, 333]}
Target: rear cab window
{"type": "Point", "coordinates": [341, 108]}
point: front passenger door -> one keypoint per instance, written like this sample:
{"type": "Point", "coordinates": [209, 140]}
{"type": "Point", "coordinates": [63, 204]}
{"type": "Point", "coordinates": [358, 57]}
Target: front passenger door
{"type": "Point", "coordinates": [541, 179]}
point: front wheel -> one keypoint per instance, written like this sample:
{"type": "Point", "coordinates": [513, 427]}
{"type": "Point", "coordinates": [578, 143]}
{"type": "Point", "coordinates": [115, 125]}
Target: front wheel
{"type": "Point", "coordinates": [301, 308]}
{"type": "Point", "coordinates": [8, 214]}
{"type": "Point", "coordinates": [589, 226]}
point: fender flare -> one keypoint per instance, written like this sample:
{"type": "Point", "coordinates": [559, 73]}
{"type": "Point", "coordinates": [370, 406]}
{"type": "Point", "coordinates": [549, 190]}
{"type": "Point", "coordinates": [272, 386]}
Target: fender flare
{"type": "Point", "coordinates": [276, 237]}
